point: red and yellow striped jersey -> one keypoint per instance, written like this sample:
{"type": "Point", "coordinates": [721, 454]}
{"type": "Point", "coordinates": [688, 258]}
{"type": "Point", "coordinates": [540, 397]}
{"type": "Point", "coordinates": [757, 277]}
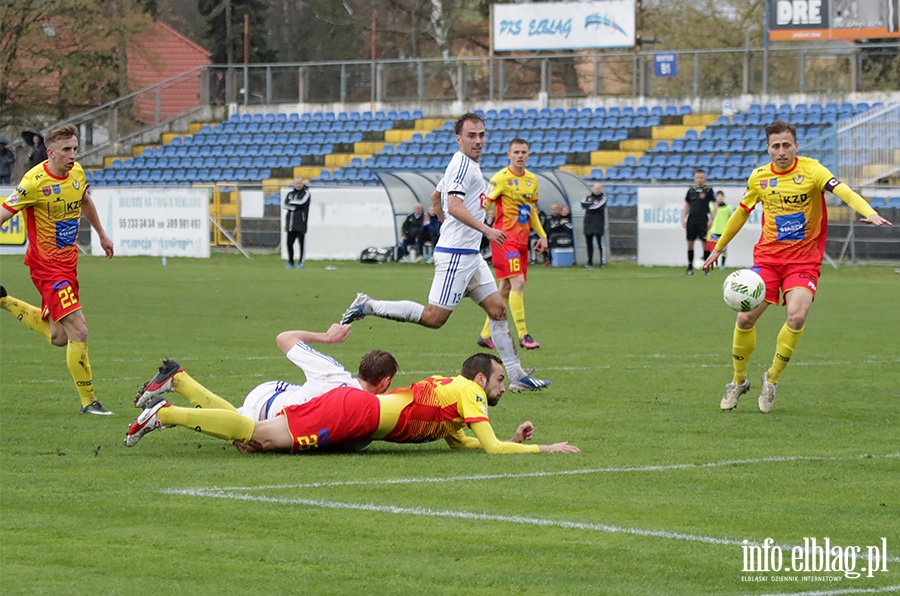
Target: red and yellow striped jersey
{"type": "Point", "coordinates": [795, 219]}
{"type": "Point", "coordinates": [514, 197]}
{"type": "Point", "coordinates": [51, 208]}
{"type": "Point", "coordinates": [433, 409]}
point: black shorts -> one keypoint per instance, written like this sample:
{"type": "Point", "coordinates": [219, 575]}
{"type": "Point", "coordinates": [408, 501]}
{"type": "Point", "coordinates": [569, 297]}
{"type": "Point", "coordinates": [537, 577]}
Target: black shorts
{"type": "Point", "coordinates": [696, 229]}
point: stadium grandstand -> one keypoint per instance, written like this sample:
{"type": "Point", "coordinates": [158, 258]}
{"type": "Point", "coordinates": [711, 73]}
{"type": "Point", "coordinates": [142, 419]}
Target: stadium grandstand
{"type": "Point", "coordinates": [624, 142]}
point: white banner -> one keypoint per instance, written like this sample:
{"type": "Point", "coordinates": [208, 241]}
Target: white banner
{"type": "Point", "coordinates": [172, 222]}
{"type": "Point", "coordinates": [344, 222]}
{"type": "Point", "coordinates": [564, 25]}
{"type": "Point", "coordinates": [662, 241]}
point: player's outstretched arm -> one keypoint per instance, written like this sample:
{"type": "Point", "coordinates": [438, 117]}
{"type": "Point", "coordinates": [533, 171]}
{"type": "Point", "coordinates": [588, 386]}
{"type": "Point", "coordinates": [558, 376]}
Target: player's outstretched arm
{"type": "Point", "coordinates": [336, 334]}
{"type": "Point", "coordinates": [734, 225]}
{"type": "Point", "coordinates": [876, 220]}
{"type": "Point", "coordinates": [559, 448]}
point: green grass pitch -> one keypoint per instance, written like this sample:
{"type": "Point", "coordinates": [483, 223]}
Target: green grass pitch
{"type": "Point", "coordinates": [660, 500]}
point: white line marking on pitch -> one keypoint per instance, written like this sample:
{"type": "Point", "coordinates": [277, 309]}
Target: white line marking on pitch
{"type": "Point", "coordinates": [658, 468]}
{"type": "Point", "coordinates": [233, 494]}
{"type": "Point", "coordinates": [446, 513]}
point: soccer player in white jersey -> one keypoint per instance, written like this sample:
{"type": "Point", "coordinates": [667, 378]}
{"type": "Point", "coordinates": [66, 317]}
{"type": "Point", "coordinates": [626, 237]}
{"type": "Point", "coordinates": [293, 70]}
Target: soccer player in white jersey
{"type": "Point", "coordinates": [323, 373]}
{"type": "Point", "coordinates": [459, 269]}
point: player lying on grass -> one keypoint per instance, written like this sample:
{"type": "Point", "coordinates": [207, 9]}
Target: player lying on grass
{"type": "Point", "coordinates": [323, 373]}
{"type": "Point", "coordinates": [431, 409]}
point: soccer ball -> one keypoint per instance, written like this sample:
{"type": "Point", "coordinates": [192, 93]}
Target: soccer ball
{"type": "Point", "coordinates": [744, 290]}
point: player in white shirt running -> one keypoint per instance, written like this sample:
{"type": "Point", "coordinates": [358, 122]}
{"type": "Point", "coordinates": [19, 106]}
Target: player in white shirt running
{"type": "Point", "coordinates": [323, 373]}
{"type": "Point", "coordinates": [459, 269]}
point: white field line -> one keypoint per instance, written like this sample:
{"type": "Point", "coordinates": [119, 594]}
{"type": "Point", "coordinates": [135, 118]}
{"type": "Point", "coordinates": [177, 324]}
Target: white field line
{"type": "Point", "coordinates": [239, 494]}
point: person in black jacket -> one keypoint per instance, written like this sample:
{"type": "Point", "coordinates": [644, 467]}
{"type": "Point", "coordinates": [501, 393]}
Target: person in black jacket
{"type": "Point", "coordinates": [410, 232]}
{"type": "Point", "coordinates": [297, 205]}
{"type": "Point", "coordinates": [38, 152]}
{"type": "Point", "coordinates": [594, 223]}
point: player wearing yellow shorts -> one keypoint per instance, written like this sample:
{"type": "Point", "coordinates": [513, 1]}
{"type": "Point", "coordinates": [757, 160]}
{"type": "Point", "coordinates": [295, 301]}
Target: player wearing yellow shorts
{"type": "Point", "coordinates": [788, 254]}
{"type": "Point", "coordinates": [514, 192]}
{"type": "Point", "coordinates": [51, 198]}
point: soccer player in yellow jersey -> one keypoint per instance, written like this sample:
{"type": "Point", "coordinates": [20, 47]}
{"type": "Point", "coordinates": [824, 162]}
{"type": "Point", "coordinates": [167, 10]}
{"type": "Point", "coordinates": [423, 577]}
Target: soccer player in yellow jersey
{"type": "Point", "coordinates": [789, 252]}
{"type": "Point", "coordinates": [514, 192]}
{"type": "Point", "coordinates": [51, 198]}
{"type": "Point", "coordinates": [347, 417]}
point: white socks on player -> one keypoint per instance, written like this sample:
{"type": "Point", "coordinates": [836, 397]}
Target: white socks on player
{"type": "Point", "coordinates": [398, 310]}
{"type": "Point", "coordinates": [503, 341]}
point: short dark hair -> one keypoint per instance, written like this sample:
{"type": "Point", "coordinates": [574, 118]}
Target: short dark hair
{"type": "Point", "coordinates": [60, 132]}
{"type": "Point", "coordinates": [457, 126]}
{"type": "Point", "coordinates": [377, 365]}
{"type": "Point", "coordinates": [479, 363]}
{"type": "Point", "coordinates": [700, 171]}
{"type": "Point", "coordinates": [780, 126]}
{"type": "Point", "coordinates": [518, 141]}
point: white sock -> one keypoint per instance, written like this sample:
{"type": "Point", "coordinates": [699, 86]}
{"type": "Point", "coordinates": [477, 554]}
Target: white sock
{"type": "Point", "coordinates": [503, 341]}
{"type": "Point", "coordinates": [398, 310]}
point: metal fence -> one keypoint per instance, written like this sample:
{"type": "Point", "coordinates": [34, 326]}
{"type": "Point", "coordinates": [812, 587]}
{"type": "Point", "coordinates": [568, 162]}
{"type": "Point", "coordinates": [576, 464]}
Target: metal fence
{"type": "Point", "coordinates": [431, 84]}
{"type": "Point", "coordinates": [711, 73]}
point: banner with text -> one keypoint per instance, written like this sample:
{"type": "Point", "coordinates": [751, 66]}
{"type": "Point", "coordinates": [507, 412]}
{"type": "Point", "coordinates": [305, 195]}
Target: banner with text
{"type": "Point", "coordinates": [563, 25]}
{"type": "Point", "coordinates": [804, 20]}
{"type": "Point", "coordinates": [662, 240]}
{"type": "Point", "coordinates": [343, 222]}
{"type": "Point", "coordinates": [12, 233]}
{"type": "Point", "coordinates": [172, 222]}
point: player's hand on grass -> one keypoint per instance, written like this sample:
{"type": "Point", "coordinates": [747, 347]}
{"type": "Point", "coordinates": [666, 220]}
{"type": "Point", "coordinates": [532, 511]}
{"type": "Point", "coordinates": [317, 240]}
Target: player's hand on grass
{"type": "Point", "coordinates": [560, 448]}
{"type": "Point", "coordinates": [523, 433]}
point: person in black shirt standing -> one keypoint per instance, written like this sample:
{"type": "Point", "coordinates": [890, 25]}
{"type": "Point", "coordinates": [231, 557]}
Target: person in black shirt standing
{"type": "Point", "coordinates": [695, 216]}
{"type": "Point", "coordinates": [594, 223]}
{"type": "Point", "coordinates": [297, 205]}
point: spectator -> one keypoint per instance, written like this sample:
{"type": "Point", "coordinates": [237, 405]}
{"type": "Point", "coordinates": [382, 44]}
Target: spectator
{"type": "Point", "coordinates": [38, 152]}
{"type": "Point", "coordinates": [559, 230]}
{"type": "Point", "coordinates": [219, 88]}
{"type": "Point", "coordinates": [297, 205]}
{"type": "Point", "coordinates": [410, 233]}
{"type": "Point", "coordinates": [431, 230]}
{"type": "Point", "coordinates": [7, 159]}
{"type": "Point", "coordinates": [594, 223]}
